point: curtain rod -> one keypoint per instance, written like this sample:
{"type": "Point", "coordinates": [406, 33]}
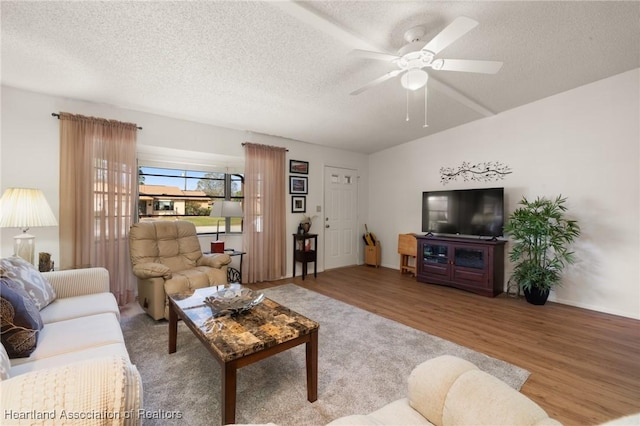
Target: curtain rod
{"type": "Point", "coordinates": [243, 143]}
{"type": "Point", "coordinates": [53, 114]}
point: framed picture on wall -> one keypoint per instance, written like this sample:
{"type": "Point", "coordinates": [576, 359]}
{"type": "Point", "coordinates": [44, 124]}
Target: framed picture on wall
{"type": "Point", "coordinates": [298, 185]}
{"type": "Point", "coordinates": [299, 167]}
{"type": "Point", "coordinates": [298, 204]}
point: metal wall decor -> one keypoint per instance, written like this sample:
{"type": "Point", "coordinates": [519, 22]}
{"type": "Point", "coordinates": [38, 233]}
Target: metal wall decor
{"type": "Point", "coordinates": [481, 172]}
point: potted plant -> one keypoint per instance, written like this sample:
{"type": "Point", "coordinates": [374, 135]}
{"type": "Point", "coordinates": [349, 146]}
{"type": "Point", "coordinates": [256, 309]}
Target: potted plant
{"type": "Point", "coordinates": [542, 235]}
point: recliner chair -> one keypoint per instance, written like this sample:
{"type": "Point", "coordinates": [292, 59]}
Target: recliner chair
{"type": "Point", "coordinates": [167, 259]}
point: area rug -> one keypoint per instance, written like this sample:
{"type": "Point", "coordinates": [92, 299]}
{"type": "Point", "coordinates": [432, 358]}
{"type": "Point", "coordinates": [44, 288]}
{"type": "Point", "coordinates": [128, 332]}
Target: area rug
{"type": "Point", "coordinates": [364, 361]}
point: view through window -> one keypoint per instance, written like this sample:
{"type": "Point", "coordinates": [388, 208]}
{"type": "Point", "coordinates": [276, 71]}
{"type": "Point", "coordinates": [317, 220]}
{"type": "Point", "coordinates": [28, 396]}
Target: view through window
{"type": "Point", "coordinates": [188, 195]}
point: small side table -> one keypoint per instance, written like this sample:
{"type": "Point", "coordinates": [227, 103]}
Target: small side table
{"type": "Point", "coordinates": [408, 249]}
{"type": "Point", "coordinates": [304, 253]}
{"type": "Point", "coordinates": [233, 275]}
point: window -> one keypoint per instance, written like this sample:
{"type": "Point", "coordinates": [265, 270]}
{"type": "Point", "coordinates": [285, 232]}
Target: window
{"type": "Point", "coordinates": [162, 205]}
{"type": "Point", "coordinates": [188, 195]}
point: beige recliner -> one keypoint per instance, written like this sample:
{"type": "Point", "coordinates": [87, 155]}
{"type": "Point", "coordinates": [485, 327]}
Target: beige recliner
{"type": "Point", "coordinates": [167, 259]}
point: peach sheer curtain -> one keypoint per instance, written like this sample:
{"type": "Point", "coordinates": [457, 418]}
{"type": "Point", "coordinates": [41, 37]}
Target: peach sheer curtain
{"type": "Point", "coordinates": [264, 237]}
{"type": "Point", "coordinates": [98, 183]}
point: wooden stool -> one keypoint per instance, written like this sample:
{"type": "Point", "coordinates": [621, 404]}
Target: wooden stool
{"type": "Point", "coordinates": [407, 247]}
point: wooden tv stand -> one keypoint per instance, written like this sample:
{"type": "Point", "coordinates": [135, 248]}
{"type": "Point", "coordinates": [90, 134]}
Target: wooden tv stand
{"type": "Point", "coordinates": [472, 264]}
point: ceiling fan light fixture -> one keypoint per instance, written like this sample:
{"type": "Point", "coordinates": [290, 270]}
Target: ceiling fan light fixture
{"type": "Point", "coordinates": [414, 79]}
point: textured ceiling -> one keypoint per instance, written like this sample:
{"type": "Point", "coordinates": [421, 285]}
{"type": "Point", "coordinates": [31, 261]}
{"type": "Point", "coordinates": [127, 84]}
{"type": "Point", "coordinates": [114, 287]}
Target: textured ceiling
{"type": "Point", "coordinates": [284, 68]}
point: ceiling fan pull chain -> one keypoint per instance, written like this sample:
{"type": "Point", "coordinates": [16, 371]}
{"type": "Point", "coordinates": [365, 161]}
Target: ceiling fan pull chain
{"type": "Point", "coordinates": [407, 119]}
{"type": "Point", "coordinates": [425, 107]}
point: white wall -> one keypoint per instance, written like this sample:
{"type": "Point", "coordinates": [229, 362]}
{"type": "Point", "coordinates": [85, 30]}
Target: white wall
{"type": "Point", "coordinates": [30, 156]}
{"type": "Point", "coordinates": [583, 144]}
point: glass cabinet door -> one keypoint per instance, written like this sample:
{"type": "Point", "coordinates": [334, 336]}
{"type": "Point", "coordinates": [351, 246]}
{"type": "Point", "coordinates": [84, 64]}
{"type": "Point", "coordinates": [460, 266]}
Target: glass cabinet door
{"type": "Point", "coordinates": [435, 253]}
{"type": "Point", "coordinates": [470, 257]}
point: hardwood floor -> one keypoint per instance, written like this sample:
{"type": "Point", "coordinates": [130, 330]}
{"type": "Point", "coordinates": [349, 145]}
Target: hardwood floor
{"type": "Point", "coordinates": [585, 365]}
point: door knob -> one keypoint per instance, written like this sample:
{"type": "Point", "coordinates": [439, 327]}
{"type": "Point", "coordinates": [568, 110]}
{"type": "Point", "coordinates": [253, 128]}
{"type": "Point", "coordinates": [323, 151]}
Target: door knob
{"type": "Point", "coordinates": [326, 226]}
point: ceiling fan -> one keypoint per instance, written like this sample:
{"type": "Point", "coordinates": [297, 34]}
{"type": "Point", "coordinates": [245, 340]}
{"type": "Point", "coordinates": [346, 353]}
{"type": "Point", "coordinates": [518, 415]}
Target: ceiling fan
{"type": "Point", "coordinates": [415, 56]}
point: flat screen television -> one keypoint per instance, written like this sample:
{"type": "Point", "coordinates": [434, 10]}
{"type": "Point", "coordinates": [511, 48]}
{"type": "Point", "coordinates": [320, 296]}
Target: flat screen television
{"type": "Point", "coordinates": [473, 212]}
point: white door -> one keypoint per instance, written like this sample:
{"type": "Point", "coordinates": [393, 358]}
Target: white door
{"type": "Point", "coordinates": [340, 217]}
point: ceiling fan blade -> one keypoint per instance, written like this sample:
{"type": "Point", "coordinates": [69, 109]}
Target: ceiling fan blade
{"type": "Point", "coordinates": [469, 65]}
{"type": "Point", "coordinates": [378, 80]}
{"type": "Point", "coordinates": [374, 55]}
{"type": "Point", "coordinates": [459, 27]}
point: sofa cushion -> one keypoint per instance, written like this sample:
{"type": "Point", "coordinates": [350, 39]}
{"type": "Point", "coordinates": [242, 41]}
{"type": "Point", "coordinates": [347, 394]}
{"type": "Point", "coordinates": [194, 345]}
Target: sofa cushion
{"type": "Point", "coordinates": [118, 349]}
{"type": "Point", "coordinates": [5, 364]}
{"type": "Point", "coordinates": [429, 384]}
{"type": "Point", "coordinates": [187, 280]}
{"type": "Point", "coordinates": [480, 398]}
{"type": "Point", "coordinates": [174, 244]}
{"type": "Point", "coordinates": [63, 309]}
{"type": "Point", "coordinates": [21, 320]}
{"type": "Point", "coordinates": [630, 420]}
{"type": "Point", "coordinates": [399, 412]}
{"type": "Point", "coordinates": [356, 420]}
{"type": "Point", "coordinates": [74, 335]}
{"type": "Point", "coordinates": [151, 270]}
{"type": "Point", "coordinates": [33, 282]}
{"type": "Point", "coordinates": [78, 282]}
{"type": "Point", "coordinates": [395, 413]}
{"type": "Point", "coordinates": [217, 260]}
{"type": "Point", "coordinates": [102, 391]}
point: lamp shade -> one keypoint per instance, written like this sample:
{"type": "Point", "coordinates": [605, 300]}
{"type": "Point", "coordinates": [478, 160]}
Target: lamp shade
{"type": "Point", "coordinates": [226, 209]}
{"type": "Point", "coordinates": [25, 208]}
{"type": "Point", "coordinates": [414, 79]}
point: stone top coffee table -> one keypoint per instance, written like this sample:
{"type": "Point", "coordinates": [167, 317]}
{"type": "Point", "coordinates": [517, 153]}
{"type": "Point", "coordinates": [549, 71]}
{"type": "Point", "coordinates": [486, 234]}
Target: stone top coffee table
{"type": "Point", "coordinates": [240, 340]}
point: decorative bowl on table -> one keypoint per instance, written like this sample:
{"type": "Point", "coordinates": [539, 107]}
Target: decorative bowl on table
{"type": "Point", "coordinates": [233, 300]}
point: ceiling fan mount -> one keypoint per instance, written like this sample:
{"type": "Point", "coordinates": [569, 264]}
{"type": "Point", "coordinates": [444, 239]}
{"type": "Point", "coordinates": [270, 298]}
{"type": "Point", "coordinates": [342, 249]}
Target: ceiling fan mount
{"type": "Point", "coordinates": [417, 55]}
{"type": "Point", "coordinates": [413, 55]}
{"type": "Point", "coordinates": [414, 34]}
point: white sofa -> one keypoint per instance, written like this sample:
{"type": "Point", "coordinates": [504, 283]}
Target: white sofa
{"type": "Point", "coordinates": [80, 366]}
{"type": "Point", "coordinates": [447, 391]}
{"type": "Point", "coordinates": [450, 391]}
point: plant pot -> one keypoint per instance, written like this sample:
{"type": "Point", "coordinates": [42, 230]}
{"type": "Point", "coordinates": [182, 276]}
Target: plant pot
{"type": "Point", "coordinates": [536, 296]}
{"type": "Point", "coordinates": [305, 227]}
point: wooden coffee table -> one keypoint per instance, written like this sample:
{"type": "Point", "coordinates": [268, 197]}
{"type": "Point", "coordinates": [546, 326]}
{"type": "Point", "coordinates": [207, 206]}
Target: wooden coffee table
{"type": "Point", "coordinates": [237, 341]}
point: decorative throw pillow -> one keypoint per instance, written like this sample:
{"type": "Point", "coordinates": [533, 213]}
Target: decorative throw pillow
{"type": "Point", "coordinates": [29, 278]}
{"type": "Point", "coordinates": [5, 364]}
{"type": "Point", "coordinates": [21, 320]}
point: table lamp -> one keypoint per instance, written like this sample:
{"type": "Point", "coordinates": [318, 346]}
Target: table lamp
{"type": "Point", "coordinates": [224, 209]}
{"type": "Point", "coordinates": [25, 208]}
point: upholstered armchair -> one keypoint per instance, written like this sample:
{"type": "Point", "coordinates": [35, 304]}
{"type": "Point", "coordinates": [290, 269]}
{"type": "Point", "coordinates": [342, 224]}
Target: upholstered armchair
{"type": "Point", "coordinates": [167, 259]}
